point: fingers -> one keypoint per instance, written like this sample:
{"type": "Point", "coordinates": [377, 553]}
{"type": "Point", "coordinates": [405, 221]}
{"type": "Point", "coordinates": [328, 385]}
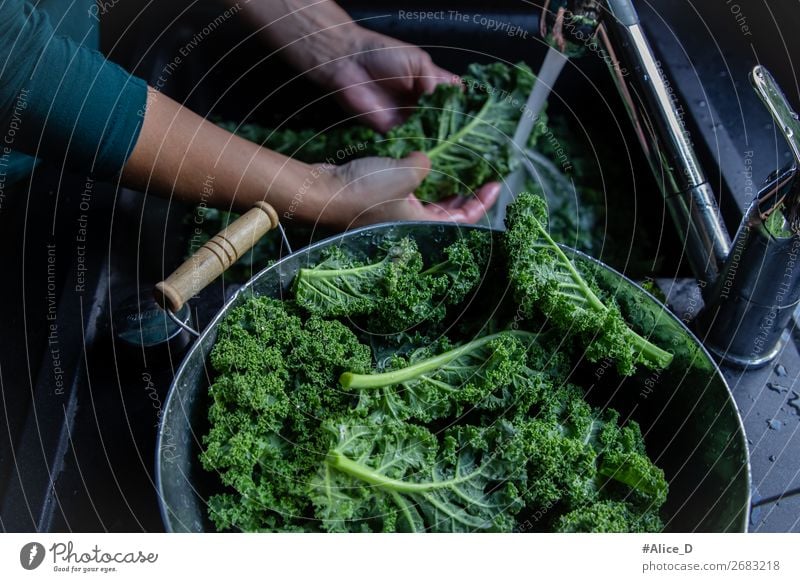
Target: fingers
{"type": "Point", "coordinates": [460, 209]}
{"type": "Point", "coordinates": [375, 104]}
{"type": "Point", "coordinates": [429, 75]}
{"type": "Point", "coordinates": [382, 120]}
{"type": "Point", "coordinates": [476, 207]}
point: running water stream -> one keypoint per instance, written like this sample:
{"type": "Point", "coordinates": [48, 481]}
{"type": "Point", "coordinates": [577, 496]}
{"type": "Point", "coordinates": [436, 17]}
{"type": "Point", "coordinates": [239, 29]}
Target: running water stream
{"type": "Point", "coordinates": [551, 68]}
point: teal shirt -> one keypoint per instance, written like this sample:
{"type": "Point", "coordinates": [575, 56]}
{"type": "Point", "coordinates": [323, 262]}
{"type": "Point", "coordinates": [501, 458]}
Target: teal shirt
{"type": "Point", "coordinates": [60, 98]}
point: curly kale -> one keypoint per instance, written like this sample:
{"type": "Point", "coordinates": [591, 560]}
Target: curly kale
{"type": "Point", "coordinates": [608, 516]}
{"type": "Point", "coordinates": [466, 130]}
{"type": "Point", "coordinates": [394, 291]}
{"type": "Point", "coordinates": [340, 286]}
{"type": "Point", "coordinates": [429, 386]}
{"type": "Point", "coordinates": [399, 477]}
{"type": "Point", "coordinates": [275, 373]}
{"type": "Point", "coordinates": [312, 430]}
{"type": "Point", "coordinates": [546, 281]}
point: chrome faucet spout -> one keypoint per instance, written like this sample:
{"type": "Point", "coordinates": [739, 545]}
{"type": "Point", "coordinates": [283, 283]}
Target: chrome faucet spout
{"type": "Point", "coordinates": [751, 287]}
{"type": "Point", "coordinates": [612, 29]}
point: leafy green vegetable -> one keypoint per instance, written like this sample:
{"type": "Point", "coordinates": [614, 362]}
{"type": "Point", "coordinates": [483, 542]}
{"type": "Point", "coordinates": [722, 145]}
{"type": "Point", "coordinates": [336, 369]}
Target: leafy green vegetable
{"type": "Point", "coordinates": [427, 387]}
{"type": "Point", "coordinates": [340, 286]}
{"type": "Point", "coordinates": [275, 373]}
{"type": "Point", "coordinates": [317, 427]}
{"type": "Point", "coordinates": [394, 291]}
{"type": "Point", "coordinates": [608, 517]}
{"type": "Point", "coordinates": [545, 280]}
{"type": "Point", "coordinates": [465, 130]}
{"type": "Point", "coordinates": [398, 478]}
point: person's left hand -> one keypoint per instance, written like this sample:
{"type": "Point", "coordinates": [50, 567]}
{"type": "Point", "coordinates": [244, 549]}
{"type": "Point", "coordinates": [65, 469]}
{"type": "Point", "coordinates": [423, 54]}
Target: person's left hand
{"type": "Point", "coordinates": [381, 78]}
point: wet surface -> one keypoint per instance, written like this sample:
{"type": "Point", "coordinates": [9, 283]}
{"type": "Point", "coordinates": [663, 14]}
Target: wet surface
{"type": "Point", "coordinates": [768, 400]}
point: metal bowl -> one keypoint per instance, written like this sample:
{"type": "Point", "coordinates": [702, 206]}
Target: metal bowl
{"type": "Point", "coordinates": [691, 425]}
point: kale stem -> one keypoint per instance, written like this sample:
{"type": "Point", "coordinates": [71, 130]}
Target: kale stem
{"type": "Point", "coordinates": [346, 465]}
{"type": "Point", "coordinates": [577, 278]}
{"type": "Point", "coordinates": [361, 381]}
{"type": "Point", "coordinates": [653, 353]}
{"type": "Point", "coordinates": [454, 139]}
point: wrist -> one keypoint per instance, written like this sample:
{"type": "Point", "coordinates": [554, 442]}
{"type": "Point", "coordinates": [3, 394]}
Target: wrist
{"type": "Point", "coordinates": [310, 188]}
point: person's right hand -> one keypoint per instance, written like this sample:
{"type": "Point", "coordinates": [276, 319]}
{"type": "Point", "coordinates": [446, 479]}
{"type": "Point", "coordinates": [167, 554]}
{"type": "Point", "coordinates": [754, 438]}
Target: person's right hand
{"type": "Point", "coordinates": [372, 190]}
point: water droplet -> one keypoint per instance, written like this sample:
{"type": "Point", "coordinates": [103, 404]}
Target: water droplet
{"type": "Point", "coordinates": [780, 370]}
{"type": "Point", "coordinates": [701, 103]}
{"type": "Point", "coordinates": [795, 116]}
{"type": "Point", "coordinates": [775, 424]}
{"type": "Point", "coordinates": [646, 77]}
{"type": "Point", "coordinates": [772, 458]}
{"type": "Point", "coordinates": [794, 403]}
{"type": "Point", "coordinates": [777, 387]}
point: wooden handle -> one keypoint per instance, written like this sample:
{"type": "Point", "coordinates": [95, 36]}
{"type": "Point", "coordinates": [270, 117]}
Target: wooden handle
{"type": "Point", "coordinates": [214, 257]}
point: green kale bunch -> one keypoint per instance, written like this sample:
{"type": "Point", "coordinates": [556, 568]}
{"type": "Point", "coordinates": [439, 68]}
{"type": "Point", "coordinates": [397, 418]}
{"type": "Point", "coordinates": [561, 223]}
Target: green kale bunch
{"type": "Point", "coordinates": [465, 129]}
{"type": "Point", "coordinates": [317, 424]}
{"type": "Point", "coordinates": [546, 281]}
{"type": "Point", "coordinates": [396, 292]}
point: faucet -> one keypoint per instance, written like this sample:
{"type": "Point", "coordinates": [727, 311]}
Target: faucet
{"type": "Point", "coordinates": [751, 286]}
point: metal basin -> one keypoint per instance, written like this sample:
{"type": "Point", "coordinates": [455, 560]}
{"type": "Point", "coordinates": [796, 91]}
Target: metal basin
{"type": "Point", "coordinates": [688, 416]}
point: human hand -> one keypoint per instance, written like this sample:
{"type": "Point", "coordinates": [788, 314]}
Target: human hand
{"type": "Point", "coordinates": [373, 190]}
{"type": "Point", "coordinates": [380, 78]}
{"type": "Point", "coordinates": [372, 75]}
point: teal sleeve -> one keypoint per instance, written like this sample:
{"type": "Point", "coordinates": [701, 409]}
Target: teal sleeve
{"type": "Point", "coordinates": [61, 101]}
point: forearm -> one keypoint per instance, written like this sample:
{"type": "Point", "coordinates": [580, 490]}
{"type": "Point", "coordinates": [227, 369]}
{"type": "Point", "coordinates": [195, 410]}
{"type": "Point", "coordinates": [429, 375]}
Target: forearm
{"type": "Point", "coordinates": [181, 154]}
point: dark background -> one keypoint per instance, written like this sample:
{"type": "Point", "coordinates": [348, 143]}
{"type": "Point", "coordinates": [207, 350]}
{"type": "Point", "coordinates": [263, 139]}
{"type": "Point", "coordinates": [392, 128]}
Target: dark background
{"type": "Point", "coordinates": [81, 459]}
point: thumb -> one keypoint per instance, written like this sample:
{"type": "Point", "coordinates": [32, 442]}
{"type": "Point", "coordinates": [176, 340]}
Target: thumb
{"type": "Point", "coordinates": [389, 177]}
